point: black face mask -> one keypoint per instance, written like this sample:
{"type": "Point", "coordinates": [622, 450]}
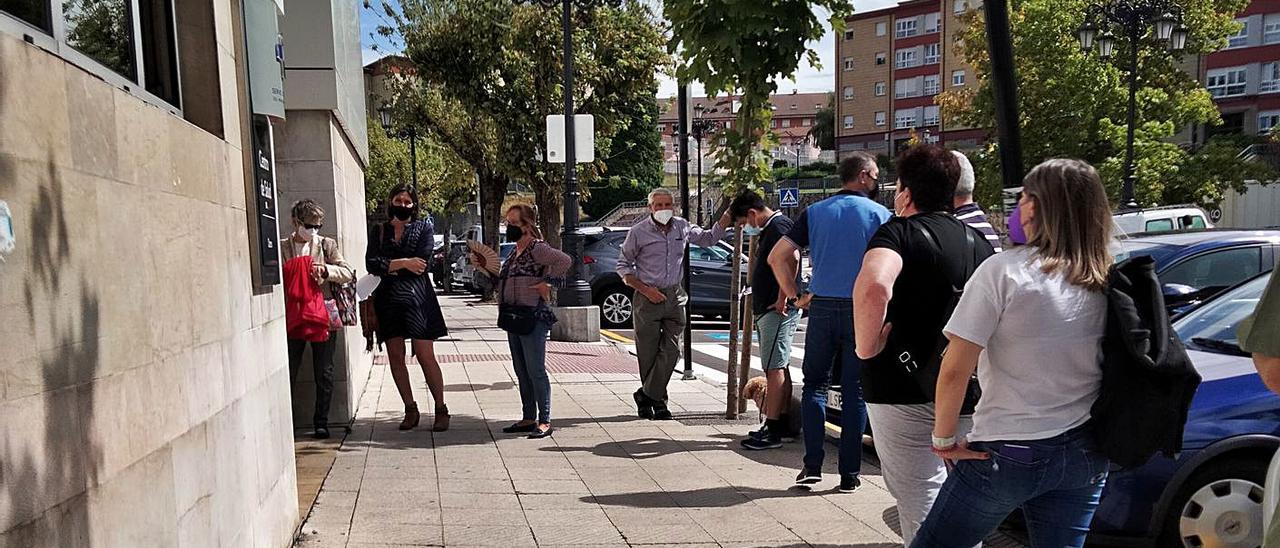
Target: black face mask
{"type": "Point", "coordinates": [403, 213]}
{"type": "Point", "coordinates": [874, 191]}
{"type": "Point", "coordinates": [514, 233]}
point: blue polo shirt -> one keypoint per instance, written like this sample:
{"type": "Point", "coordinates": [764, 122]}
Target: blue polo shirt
{"type": "Point", "coordinates": [836, 231]}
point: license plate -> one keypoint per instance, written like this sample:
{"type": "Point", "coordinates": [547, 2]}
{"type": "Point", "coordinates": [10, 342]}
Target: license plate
{"type": "Point", "coordinates": [833, 399]}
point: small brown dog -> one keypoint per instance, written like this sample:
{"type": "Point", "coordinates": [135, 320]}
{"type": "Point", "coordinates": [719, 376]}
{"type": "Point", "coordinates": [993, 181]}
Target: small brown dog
{"type": "Point", "coordinates": [755, 390]}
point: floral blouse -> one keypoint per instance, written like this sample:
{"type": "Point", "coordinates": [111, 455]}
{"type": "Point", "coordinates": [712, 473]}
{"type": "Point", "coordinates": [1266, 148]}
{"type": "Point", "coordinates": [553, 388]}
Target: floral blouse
{"type": "Point", "coordinates": [538, 263]}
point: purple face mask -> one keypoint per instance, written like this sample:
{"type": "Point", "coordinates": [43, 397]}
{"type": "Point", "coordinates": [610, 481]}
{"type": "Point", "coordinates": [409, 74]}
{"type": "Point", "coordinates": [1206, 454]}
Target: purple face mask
{"type": "Point", "coordinates": [1016, 235]}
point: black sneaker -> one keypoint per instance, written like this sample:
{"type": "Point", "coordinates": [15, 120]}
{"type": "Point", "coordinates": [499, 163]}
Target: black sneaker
{"type": "Point", "coordinates": [661, 413]}
{"type": "Point", "coordinates": [321, 433]}
{"type": "Point", "coordinates": [808, 477]}
{"type": "Point", "coordinates": [644, 407]}
{"type": "Point", "coordinates": [849, 483]}
{"type": "Point", "coordinates": [767, 441]}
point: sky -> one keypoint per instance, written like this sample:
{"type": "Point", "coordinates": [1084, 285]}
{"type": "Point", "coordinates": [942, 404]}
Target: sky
{"type": "Point", "coordinates": [807, 78]}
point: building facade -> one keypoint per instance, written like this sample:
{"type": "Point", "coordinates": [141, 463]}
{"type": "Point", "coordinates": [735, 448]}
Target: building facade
{"type": "Point", "coordinates": [1244, 78]}
{"type": "Point", "coordinates": [794, 115]}
{"type": "Point", "coordinates": [891, 64]}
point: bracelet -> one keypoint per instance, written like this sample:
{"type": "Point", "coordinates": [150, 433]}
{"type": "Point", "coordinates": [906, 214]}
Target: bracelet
{"type": "Point", "coordinates": [946, 443]}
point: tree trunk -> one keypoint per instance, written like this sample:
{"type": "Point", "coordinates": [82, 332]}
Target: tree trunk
{"type": "Point", "coordinates": [550, 202]}
{"type": "Point", "coordinates": [748, 318]}
{"type": "Point", "coordinates": [493, 188]}
{"type": "Point", "coordinates": [732, 406]}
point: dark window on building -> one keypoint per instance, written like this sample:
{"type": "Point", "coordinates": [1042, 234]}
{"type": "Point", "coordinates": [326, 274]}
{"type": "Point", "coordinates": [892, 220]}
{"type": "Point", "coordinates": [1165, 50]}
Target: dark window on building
{"type": "Point", "coordinates": [102, 29]}
{"type": "Point", "coordinates": [34, 12]}
{"type": "Point", "coordinates": [159, 53]}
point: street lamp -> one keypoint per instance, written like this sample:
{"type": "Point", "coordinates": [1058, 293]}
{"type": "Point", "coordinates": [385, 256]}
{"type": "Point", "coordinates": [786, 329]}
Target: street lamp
{"type": "Point", "coordinates": [576, 291]}
{"type": "Point", "coordinates": [409, 132]}
{"type": "Point", "coordinates": [702, 128]}
{"type": "Point", "coordinates": [1155, 22]}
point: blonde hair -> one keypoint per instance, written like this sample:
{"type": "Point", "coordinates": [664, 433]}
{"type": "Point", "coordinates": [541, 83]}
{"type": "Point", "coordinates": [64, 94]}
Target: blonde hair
{"type": "Point", "coordinates": [528, 216]}
{"type": "Point", "coordinates": [1072, 224]}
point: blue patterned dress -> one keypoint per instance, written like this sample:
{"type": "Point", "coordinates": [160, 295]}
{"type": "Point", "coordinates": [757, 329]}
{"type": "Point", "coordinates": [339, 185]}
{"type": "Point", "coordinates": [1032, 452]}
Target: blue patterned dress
{"type": "Point", "coordinates": [405, 302]}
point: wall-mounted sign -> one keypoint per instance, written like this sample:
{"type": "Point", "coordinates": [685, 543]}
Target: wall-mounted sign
{"type": "Point", "coordinates": [264, 178]}
{"type": "Point", "coordinates": [266, 57]}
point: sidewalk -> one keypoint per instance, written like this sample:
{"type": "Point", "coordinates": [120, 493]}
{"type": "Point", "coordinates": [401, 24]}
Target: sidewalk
{"type": "Point", "coordinates": [605, 478]}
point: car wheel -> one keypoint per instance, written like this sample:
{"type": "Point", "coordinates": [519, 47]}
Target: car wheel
{"type": "Point", "coordinates": [615, 307]}
{"type": "Point", "coordinates": [1219, 506]}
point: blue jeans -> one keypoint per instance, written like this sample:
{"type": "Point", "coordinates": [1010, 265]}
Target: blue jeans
{"type": "Point", "coordinates": [529, 357]}
{"type": "Point", "coordinates": [1057, 482]}
{"type": "Point", "coordinates": [830, 337]}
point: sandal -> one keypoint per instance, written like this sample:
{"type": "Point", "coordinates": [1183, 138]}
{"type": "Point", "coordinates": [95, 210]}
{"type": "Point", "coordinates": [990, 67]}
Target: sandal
{"type": "Point", "coordinates": [518, 428]}
{"type": "Point", "coordinates": [539, 433]}
{"type": "Point", "coordinates": [442, 419]}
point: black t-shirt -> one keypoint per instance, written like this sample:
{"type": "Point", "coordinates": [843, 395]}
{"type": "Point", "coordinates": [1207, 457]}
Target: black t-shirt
{"type": "Point", "coordinates": [920, 297]}
{"type": "Point", "coordinates": [764, 285]}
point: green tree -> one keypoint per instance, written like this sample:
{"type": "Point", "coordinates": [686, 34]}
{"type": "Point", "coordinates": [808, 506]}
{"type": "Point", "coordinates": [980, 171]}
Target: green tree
{"type": "Point", "coordinates": [101, 30]}
{"type": "Point", "coordinates": [1073, 103]}
{"type": "Point", "coordinates": [445, 181]}
{"type": "Point", "coordinates": [824, 126]}
{"type": "Point", "coordinates": [634, 164]}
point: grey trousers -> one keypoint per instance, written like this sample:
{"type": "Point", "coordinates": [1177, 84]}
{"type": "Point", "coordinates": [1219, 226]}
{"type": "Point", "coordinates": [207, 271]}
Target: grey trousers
{"type": "Point", "coordinates": [659, 328]}
{"type": "Point", "coordinates": [914, 475]}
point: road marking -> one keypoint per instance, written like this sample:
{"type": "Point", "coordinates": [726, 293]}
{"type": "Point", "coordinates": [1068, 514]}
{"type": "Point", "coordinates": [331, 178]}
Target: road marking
{"type": "Point", "coordinates": [721, 352]}
{"type": "Point", "coordinates": [616, 337]}
{"type": "Point", "coordinates": [720, 377]}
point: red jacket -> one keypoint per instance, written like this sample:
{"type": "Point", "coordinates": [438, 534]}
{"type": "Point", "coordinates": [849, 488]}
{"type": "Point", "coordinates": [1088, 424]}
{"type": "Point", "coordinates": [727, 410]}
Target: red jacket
{"type": "Point", "coordinates": [305, 315]}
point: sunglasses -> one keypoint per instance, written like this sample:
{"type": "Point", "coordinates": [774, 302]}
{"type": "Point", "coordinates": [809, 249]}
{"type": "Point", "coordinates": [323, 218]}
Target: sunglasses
{"type": "Point", "coordinates": [313, 227]}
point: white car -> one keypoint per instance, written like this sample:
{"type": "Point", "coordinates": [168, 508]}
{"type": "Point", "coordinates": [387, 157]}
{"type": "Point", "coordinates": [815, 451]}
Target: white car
{"type": "Point", "coordinates": [1162, 219]}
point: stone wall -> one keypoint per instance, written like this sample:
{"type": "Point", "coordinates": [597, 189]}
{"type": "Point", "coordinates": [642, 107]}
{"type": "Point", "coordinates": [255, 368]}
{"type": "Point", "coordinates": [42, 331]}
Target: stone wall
{"type": "Point", "coordinates": [317, 161]}
{"type": "Point", "coordinates": [144, 388]}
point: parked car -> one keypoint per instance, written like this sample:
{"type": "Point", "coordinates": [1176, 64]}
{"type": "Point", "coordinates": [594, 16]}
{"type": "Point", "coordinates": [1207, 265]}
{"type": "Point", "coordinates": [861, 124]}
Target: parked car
{"type": "Point", "coordinates": [1194, 265]}
{"type": "Point", "coordinates": [440, 260]}
{"type": "Point", "coordinates": [710, 270]}
{"type": "Point", "coordinates": [464, 273]}
{"type": "Point", "coordinates": [1211, 493]}
{"type": "Point", "coordinates": [1162, 219]}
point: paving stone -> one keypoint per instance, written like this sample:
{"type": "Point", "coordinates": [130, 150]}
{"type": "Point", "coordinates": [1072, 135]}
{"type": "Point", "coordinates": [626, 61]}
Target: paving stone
{"type": "Point", "coordinates": [409, 534]}
{"type": "Point", "coordinates": [479, 500]}
{"type": "Point", "coordinates": [551, 535]}
{"type": "Point", "coordinates": [472, 485]}
{"type": "Point", "coordinates": [551, 486]}
{"type": "Point", "coordinates": [488, 535]}
{"type": "Point", "coordinates": [484, 516]}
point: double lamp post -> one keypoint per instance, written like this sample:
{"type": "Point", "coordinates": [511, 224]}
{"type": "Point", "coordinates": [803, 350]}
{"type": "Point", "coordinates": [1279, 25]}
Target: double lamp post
{"type": "Point", "coordinates": [1138, 22]}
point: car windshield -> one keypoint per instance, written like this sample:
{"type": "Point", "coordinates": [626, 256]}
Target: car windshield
{"type": "Point", "coordinates": [1133, 248]}
{"type": "Point", "coordinates": [506, 251]}
{"type": "Point", "coordinates": [1212, 327]}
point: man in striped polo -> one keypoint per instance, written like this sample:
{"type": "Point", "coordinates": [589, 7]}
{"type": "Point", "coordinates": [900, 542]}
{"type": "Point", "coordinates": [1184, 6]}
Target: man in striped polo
{"type": "Point", "coordinates": [969, 211]}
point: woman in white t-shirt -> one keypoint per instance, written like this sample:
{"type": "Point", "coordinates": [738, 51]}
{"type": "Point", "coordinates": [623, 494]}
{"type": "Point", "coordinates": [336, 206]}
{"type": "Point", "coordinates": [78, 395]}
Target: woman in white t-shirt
{"type": "Point", "coordinates": [1030, 322]}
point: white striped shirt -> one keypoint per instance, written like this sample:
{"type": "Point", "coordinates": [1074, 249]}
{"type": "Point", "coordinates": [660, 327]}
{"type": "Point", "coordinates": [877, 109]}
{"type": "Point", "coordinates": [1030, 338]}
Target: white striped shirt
{"type": "Point", "coordinates": [973, 216]}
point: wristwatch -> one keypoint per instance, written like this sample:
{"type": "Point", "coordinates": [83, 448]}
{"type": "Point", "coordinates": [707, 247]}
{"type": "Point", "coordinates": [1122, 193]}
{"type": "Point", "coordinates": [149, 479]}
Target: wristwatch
{"type": "Point", "coordinates": [944, 443]}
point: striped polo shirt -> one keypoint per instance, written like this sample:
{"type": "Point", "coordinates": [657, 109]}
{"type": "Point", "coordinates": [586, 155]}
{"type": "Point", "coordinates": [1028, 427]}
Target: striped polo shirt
{"type": "Point", "coordinates": [975, 217]}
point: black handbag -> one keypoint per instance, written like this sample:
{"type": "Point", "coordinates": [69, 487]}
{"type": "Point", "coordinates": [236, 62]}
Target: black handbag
{"type": "Point", "coordinates": [516, 319]}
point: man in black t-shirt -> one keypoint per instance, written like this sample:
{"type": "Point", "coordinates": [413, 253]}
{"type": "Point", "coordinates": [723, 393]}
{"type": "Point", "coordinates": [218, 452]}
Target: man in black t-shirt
{"type": "Point", "coordinates": [775, 319]}
{"type": "Point", "coordinates": [914, 267]}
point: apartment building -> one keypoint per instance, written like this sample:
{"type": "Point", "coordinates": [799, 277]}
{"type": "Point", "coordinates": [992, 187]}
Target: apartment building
{"type": "Point", "coordinates": [892, 63]}
{"type": "Point", "coordinates": [1244, 78]}
{"type": "Point", "coordinates": [794, 115]}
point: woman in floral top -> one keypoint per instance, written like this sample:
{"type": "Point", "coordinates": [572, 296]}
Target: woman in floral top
{"type": "Point", "coordinates": [526, 280]}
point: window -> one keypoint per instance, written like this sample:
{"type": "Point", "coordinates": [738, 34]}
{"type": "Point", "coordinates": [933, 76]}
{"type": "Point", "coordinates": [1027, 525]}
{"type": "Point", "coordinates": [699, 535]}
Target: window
{"type": "Point", "coordinates": [908, 58]}
{"type": "Point", "coordinates": [1227, 82]}
{"type": "Point", "coordinates": [880, 118]}
{"type": "Point", "coordinates": [958, 6]}
{"type": "Point", "coordinates": [1268, 120]}
{"type": "Point", "coordinates": [904, 119]}
{"type": "Point", "coordinates": [957, 78]}
{"type": "Point", "coordinates": [880, 89]}
{"type": "Point", "coordinates": [848, 63]}
{"type": "Point", "coordinates": [848, 34]}
{"type": "Point", "coordinates": [1271, 29]}
{"type": "Point", "coordinates": [1216, 269]}
{"type": "Point", "coordinates": [880, 58]}
{"type": "Point", "coordinates": [931, 115]}
{"type": "Point", "coordinates": [786, 122]}
{"type": "Point", "coordinates": [932, 54]}
{"type": "Point", "coordinates": [932, 84]}
{"type": "Point", "coordinates": [793, 106]}
{"type": "Point", "coordinates": [906, 88]}
{"type": "Point", "coordinates": [132, 39]}
{"type": "Point", "coordinates": [906, 28]}
{"type": "Point", "coordinates": [1270, 82]}
{"type": "Point", "coordinates": [1240, 39]}
{"type": "Point", "coordinates": [881, 28]}
{"type": "Point", "coordinates": [806, 122]}
{"type": "Point", "coordinates": [932, 23]}
{"type": "Point", "coordinates": [848, 122]}
{"type": "Point", "coordinates": [848, 92]}
{"type": "Point", "coordinates": [774, 124]}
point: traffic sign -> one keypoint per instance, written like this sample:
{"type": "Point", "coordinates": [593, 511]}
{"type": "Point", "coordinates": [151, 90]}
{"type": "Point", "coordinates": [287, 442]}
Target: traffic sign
{"type": "Point", "coordinates": [789, 196]}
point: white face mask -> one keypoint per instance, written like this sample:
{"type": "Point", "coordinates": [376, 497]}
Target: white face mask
{"type": "Point", "coordinates": [307, 233]}
{"type": "Point", "coordinates": [663, 216]}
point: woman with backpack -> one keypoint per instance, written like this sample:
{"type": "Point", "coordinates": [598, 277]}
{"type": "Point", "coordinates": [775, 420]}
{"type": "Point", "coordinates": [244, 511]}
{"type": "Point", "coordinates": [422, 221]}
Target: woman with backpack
{"type": "Point", "coordinates": [1031, 323]}
{"type": "Point", "coordinates": [405, 301]}
{"type": "Point", "coordinates": [524, 288]}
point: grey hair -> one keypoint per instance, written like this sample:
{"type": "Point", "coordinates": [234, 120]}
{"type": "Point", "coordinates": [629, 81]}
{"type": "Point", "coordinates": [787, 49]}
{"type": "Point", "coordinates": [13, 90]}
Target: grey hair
{"type": "Point", "coordinates": [964, 187]}
{"type": "Point", "coordinates": [660, 192]}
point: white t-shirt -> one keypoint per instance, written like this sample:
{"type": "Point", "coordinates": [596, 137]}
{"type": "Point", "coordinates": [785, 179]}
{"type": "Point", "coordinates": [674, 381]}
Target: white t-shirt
{"type": "Point", "coordinates": [1040, 368]}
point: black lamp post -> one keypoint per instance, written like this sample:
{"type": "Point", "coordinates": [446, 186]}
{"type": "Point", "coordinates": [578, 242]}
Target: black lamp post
{"type": "Point", "coordinates": [1153, 22]}
{"type": "Point", "coordinates": [702, 128]}
{"type": "Point", "coordinates": [407, 132]}
{"type": "Point", "coordinates": [576, 291]}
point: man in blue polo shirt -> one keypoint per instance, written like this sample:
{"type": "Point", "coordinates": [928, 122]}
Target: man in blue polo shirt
{"type": "Point", "coordinates": [836, 231]}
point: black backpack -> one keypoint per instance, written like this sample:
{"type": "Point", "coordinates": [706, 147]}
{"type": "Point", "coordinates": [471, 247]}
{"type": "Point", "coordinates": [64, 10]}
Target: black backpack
{"type": "Point", "coordinates": [1148, 380]}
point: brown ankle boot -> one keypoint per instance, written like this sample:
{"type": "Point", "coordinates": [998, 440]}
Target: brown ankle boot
{"type": "Point", "coordinates": [442, 419]}
{"type": "Point", "coordinates": [411, 417]}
